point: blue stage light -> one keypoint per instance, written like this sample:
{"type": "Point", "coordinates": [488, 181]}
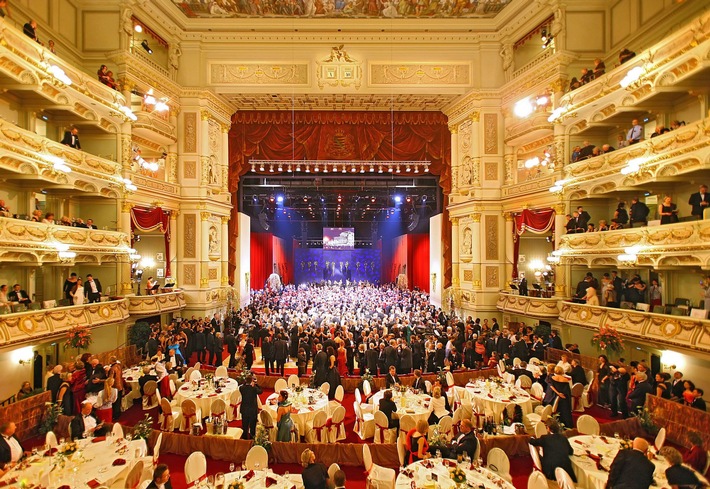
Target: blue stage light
{"type": "Point", "coordinates": [280, 199]}
{"type": "Point", "coordinates": [398, 199]}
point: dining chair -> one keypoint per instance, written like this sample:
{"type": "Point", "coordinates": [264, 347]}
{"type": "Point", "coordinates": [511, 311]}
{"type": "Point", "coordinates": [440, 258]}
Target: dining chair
{"type": "Point", "coordinates": [257, 458]}
{"type": "Point", "coordinates": [151, 396]}
{"type": "Point", "coordinates": [499, 463]}
{"type": "Point", "coordinates": [235, 403]}
{"type": "Point", "coordinates": [364, 423]}
{"type": "Point", "coordinates": [325, 388]}
{"type": "Point", "coordinates": [116, 430]}
{"type": "Point", "coordinates": [336, 429]}
{"type": "Point", "coordinates": [383, 433]}
{"type": "Point", "coordinates": [366, 408]}
{"type": "Point", "coordinates": [280, 385]}
{"type": "Point", "coordinates": [401, 451]}
{"type": "Point", "coordinates": [195, 467]}
{"type": "Point", "coordinates": [537, 480]}
{"type": "Point", "coordinates": [332, 470]}
{"type": "Point", "coordinates": [134, 476]}
{"type": "Point", "coordinates": [660, 439]}
{"type": "Point", "coordinates": [50, 439]}
{"type": "Point", "coordinates": [190, 415]}
{"type": "Point", "coordinates": [378, 477]}
{"type": "Point", "coordinates": [268, 422]}
{"type": "Point", "coordinates": [564, 481]}
{"type": "Point", "coordinates": [169, 416]}
{"type": "Point", "coordinates": [587, 425]}
{"type": "Point", "coordinates": [195, 376]}
{"type": "Point", "coordinates": [294, 380]}
{"type": "Point", "coordinates": [540, 429]}
{"type": "Point", "coordinates": [535, 455]}
{"type": "Point", "coordinates": [221, 371]}
{"type": "Point", "coordinates": [218, 408]}
{"type": "Point", "coordinates": [317, 429]}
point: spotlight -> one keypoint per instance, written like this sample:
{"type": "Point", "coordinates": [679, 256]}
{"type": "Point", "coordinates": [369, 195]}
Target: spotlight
{"type": "Point", "coordinates": [398, 199]}
{"type": "Point", "coordinates": [138, 28]}
{"type": "Point", "coordinates": [280, 199]}
{"type": "Point", "coordinates": [144, 43]}
{"type": "Point", "coordinates": [271, 198]}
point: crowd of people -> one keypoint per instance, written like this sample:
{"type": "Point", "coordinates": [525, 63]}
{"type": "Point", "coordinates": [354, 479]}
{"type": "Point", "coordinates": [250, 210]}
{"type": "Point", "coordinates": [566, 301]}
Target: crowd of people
{"type": "Point", "coordinates": [48, 218]}
{"type": "Point", "coordinates": [587, 75]}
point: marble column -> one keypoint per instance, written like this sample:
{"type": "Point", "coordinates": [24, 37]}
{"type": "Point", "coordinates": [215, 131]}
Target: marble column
{"type": "Point", "coordinates": [124, 269]}
{"type": "Point", "coordinates": [225, 251]}
{"type": "Point", "coordinates": [454, 130]}
{"type": "Point", "coordinates": [174, 244]}
{"type": "Point", "coordinates": [476, 257]}
{"type": "Point", "coordinates": [455, 282]}
{"type": "Point", "coordinates": [509, 245]}
{"type": "Point", "coordinates": [561, 270]}
{"type": "Point", "coordinates": [205, 248]}
{"type": "Point", "coordinates": [475, 148]}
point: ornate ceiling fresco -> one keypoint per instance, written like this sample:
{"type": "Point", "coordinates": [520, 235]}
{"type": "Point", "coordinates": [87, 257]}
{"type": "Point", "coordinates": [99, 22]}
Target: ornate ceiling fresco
{"type": "Point", "coordinates": [348, 9]}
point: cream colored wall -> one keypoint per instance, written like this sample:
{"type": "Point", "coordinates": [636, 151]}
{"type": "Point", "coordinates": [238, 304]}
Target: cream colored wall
{"type": "Point", "coordinates": [436, 258]}
{"type": "Point", "coordinates": [149, 247]}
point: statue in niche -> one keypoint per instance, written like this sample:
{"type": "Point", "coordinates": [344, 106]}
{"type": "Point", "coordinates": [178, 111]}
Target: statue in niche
{"type": "Point", "coordinates": [213, 242]}
{"type": "Point", "coordinates": [174, 54]}
{"type": "Point", "coordinates": [466, 172]}
{"type": "Point", "coordinates": [467, 242]}
{"type": "Point", "coordinates": [507, 54]}
{"type": "Point", "coordinates": [127, 21]}
{"type": "Point", "coordinates": [213, 176]}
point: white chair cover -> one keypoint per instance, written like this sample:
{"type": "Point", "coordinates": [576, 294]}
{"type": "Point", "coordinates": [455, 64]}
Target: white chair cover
{"type": "Point", "coordinates": [335, 403]}
{"type": "Point", "coordinates": [450, 379]}
{"type": "Point", "coordinates": [535, 455]}
{"type": "Point", "coordinates": [332, 470]}
{"type": "Point", "coordinates": [366, 408]}
{"type": "Point", "coordinates": [383, 434]}
{"type": "Point", "coordinates": [564, 481]}
{"type": "Point", "coordinates": [221, 371]}
{"type": "Point", "coordinates": [195, 467]}
{"type": "Point", "coordinates": [151, 395]}
{"type": "Point", "coordinates": [516, 361]}
{"type": "Point", "coordinates": [138, 446]}
{"type": "Point", "coordinates": [134, 475]}
{"type": "Point", "coordinates": [401, 451]}
{"type": "Point", "coordinates": [235, 402]}
{"type": "Point", "coordinates": [587, 425]}
{"type": "Point", "coordinates": [427, 385]}
{"type": "Point", "coordinates": [406, 424]}
{"type": "Point", "coordinates": [257, 455]}
{"type": "Point", "coordinates": [190, 415]}
{"type": "Point", "coordinates": [169, 416]}
{"type": "Point", "coordinates": [378, 477]}
{"type": "Point", "coordinates": [577, 392]}
{"type": "Point", "coordinates": [364, 423]}
{"type": "Point", "coordinates": [660, 439]}
{"type": "Point", "coordinates": [197, 366]}
{"type": "Point", "coordinates": [293, 380]}
{"type": "Point", "coordinates": [268, 421]}
{"type": "Point", "coordinates": [540, 429]}
{"type": "Point", "coordinates": [50, 439]}
{"type": "Point", "coordinates": [280, 385]}
{"type": "Point", "coordinates": [218, 407]}
{"type": "Point", "coordinates": [325, 388]}
{"type": "Point", "coordinates": [537, 391]}
{"type": "Point", "coordinates": [336, 431]}
{"type": "Point", "coordinates": [498, 462]}
{"type": "Point", "coordinates": [366, 388]}
{"type": "Point", "coordinates": [116, 430]}
{"type": "Point", "coordinates": [317, 431]}
{"type": "Point", "coordinates": [445, 426]}
{"type": "Point", "coordinates": [537, 480]}
{"type": "Point", "coordinates": [195, 376]}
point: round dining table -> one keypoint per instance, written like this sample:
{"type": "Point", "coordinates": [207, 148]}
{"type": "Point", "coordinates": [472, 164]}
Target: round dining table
{"type": "Point", "coordinates": [409, 403]}
{"type": "Point", "coordinates": [131, 376]}
{"type": "Point", "coordinates": [593, 456]}
{"type": "Point", "coordinates": [304, 406]}
{"type": "Point", "coordinates": [97, 462]}
{"type": "Point", "coordinates": [436, 473]}
{"type": "Point", "coordinates": [255, 479]}
{"type": "Point", "coordinates": [493, 396]}
{"type": "Point", "coordinates": [203, 394]}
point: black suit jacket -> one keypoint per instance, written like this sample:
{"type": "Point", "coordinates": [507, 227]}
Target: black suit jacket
{"type": "Point", "coordinates": [390, 356]}
{"type": "Point", "coordinates": [153, 485]}
{"type": "Point", "coordinates": [695, 200]}
{"type": "Point", "coordinates": [249, 395]}
{"type": "Point", "coordinates": [556, 453]}
{"type": "Point", "coordinates": [5, 454]}
{"type": "Point", "coordinates": [371, 357]}
{"type": "Point", "coordinates": [392, 380]}
{"type": "Point", "coordinates": [12, 296]}
{"type": "Point", "coordinates": [677, 389]}
{"type": "Point", "coordinates": [388, 407]}
{"type": "Point", "coordinates": [419, 384]}
{"type": "Point", "coordinates": [77, 427]}
{"type": "Point", "coordinates": [630, 470]}
{"type": "Point", "coordinates": [87, 287]}
{"type": "Point", "coordinates": [71, 140]}
{"type": "Point", "coordinates": [468, 443]}
{"type": "Point", "coordinates": [53, 385]}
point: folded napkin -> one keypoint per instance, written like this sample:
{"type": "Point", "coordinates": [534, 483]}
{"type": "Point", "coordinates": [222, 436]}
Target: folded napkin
{"type": "Point", "coordinates": [310, 408]}
{"type": "Point", "coordinates": [184, 388]}
{"type": "Point", "coordinates": [490, 395]}
{"type": "Point", "coordinates": [249, 475]}
{"type": "Point", "coordinates": [579, 441]}
{"type": "Point", "coordinates": [212, 395]}
{"type": "Point", "coordinates": [505, 400]}
{"type": "Point", "coordinates": [604, 439]}
{"type": "Point", "coordinates": [50, 452]}
{"type": "Point", "coordinates": [119, 461]}
{"type": "Point", "coordinates": [597, 460]}
{"type": "Point", "coordinates": [93, 483]}
{"type": "Point", "coordinates": [512, 398]}
{"type": "Point", "coordinates": [449, 463]}
{"type": "Point", "coordinates": [64, 487]}
{"type": "Point", "coordinates": [199, 396]}
{"type": "Point", "coordinates": [129, 378]}
{"type": "Point", "coordinates": [8, 482]}
{"type": "Point", "coordinates": [427, 398]}
{"type": "Point", "coordinates": [218, 391]}
{"type": "Point", "coordinates": [428, 465]}
{"type": "Point", "coordinates": [98, 439]}
{"type": "Point", "coordinates": [269, 481]}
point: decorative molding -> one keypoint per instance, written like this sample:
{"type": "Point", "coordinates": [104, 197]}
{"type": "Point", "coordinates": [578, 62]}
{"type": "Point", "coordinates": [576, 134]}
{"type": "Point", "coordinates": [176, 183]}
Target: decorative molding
{"type": "Point", "coordinates": [189, 142]}
{"type": "Point", "coordinates": [260, 74]}
{"type": "Point", "coordinates": [339, 69]}
{"type": "Point", "coordinates": [420, 74]}
{"type": "Point", "coordinates": [212, 274]}
{"type": "Point", "coordinates": [151, 305]}
{"type": "Point", "coordinates": [492, 277]}
{"type": "Point", "coordinates": [534, 307]}
{"type": "Point", "coordinates": [490, 127]}
{"type": "Point", "coordinates": [189, 274]}
{"type": "Point", "coordinates": [190, 234]}
{"type": "Point", "coordinates": [491, 170]}
{"type": "Point", "coordinates": [491, 233]}
{"type": "Point", "coordinates": [468, 275]}
{"type": "Point", "coordinates": [189, 169]}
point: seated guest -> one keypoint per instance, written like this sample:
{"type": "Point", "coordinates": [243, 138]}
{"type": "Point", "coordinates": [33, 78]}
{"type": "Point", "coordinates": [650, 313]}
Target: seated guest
{"type": "Point", "coordinates": [418, 384]}
{"type": "Point", "coordinates": [315, 475]}
{"type": "Point", "coordinates": [102, 74]}
{"type": "Point", "coordinates": [621, 216]}
{"type": "Point", "coordinates": [637, 396]}
{"type": "Point", "coordinates": [590, 227]}
{"type": "Point", "coordinates": [631, 467]}
{"type": "Point", "coordinates": [19, 295]}
{"type": "Point", "coordinates": [677, 474]}
{"type": "Point", "coordinates": [161, 478]}
{"type": "Point", "coordinates": [586, 77]}
{"type": "Point", "coordinates": [437, 406]}
{"type": "Point", "coordinates": [388, 406]}
{"type": "Point", "coordinates": [676, 124]}
{"type": "Point", "coordinates": [696, 457]}
{"type": "Point", "coordinates": [574, 84]}
{"type": "Point", "coordinates": [556, 451]}
{"type": "Point", "coordinates": [465, 442]}
{"type": "Point", "coordinates": [85, 424]}
{"type": "Point", "coordinates": [417, 444]}
{"type": "Point", "coordinates": [660, 129]}
{"type": "Point", "coordinates": [575, 154]}
{"type": "Point", "coordinates": [698, 402]}
{"type": "Point", "coordinates": [603, 225]}
{"type": "Point", "coordinates": [586, 151]}
{"type": "Point", "coordinates": [25, 391]}
{"type": "Point", "coordinates": [564, 363]}
{"type": "Point", "coordinates": [599, 68]}
{"type": "Point", "coordinates": [11, 450]}
{"type": "Point", "coordinates": [339, 479]}
{"type": "Point", "coordinates": [30, 29]}
{"type": "Point", "coordinates": [625, 55]}
{"type": "Point", "coordinates": [392, 379]}
{"type": "Point", "coordinates": [607, 148]}
{"type": "Point", "coordinates": [522, 371]}
{"type": "Point", "coordinates": [48, 218]}
{"type": "Point", "coordinates": [147, 376]}
{"type": "Point", "coordinates": [570, 225]}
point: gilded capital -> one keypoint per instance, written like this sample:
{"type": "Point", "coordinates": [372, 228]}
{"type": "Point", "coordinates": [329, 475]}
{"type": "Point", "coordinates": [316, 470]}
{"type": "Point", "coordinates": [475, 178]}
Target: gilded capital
{"type": "Point", "coordinates": [127, 206]}
{"type": "Point", "coordinates": [508, 216]}
{"type": "Point", "coordinates": [560, 209]}
{"type": "Point", "coordinates": [204, 282]}
{"type": "Point", "coordinates": [475, 217]}
{"type": "Point", "coordinates": [205, 114]}
{"type": "Point", "coordinates": [225, 219]}
{"type": "Point", "coordinates": [454, 221]}
{"type": "Point", "coordinates": [226, 128]}
{"type": "Point", "coordinates": [475, 116]}
{"type": "Point", "coordinates": [205, 215]}
{"type": "Point", "coordinates": [174, 214]}
{"type": "Point", "coordinates": [454, 129]}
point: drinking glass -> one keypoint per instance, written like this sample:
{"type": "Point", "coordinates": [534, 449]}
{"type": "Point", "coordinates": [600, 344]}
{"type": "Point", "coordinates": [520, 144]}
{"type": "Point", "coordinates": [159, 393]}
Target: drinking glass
{"type": "Point", "coordinates": [438, 454]}
{"type": "Point", "coordinates": [257, 465]}
{"type": "Point", "coordinates": [244, 466]}
{"type": "Point", "coordinates": [231, 467]}
{"type": "Point", "coordinates": [616, 435]}
{"type": "Point", "coordinates": [210, 480]}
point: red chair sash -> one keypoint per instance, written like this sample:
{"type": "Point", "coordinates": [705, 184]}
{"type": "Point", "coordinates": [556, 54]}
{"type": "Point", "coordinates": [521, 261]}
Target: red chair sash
{"type": "Point", "coordinates": [235, 408]}
{"type": "Point", "coordinates": [221, 413]}
{"type": "Point", "coordinates": [381, 430]}
{"type": "Point", "coordinates": [197, 482]}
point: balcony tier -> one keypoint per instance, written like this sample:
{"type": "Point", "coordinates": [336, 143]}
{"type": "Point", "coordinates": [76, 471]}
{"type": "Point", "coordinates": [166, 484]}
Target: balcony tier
{"type": "Point", "coordinates": [153, 305]}
{"type": "Point", "coordinates": [663, 330]}
{"type": "Point", "coordinates": [45, 324]}
{"type": "Point", "coordinates": [670, 245]}
{"type": "Point", "coordinates": [535, 307]}
{"type": "Point", "coordinates": [35, 242]}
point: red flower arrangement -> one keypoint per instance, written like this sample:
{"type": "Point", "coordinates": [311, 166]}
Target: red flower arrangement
{"type": "Point", "coordinates": [608, 339]}
{"type": "Point", "coordinates": [78, 337]}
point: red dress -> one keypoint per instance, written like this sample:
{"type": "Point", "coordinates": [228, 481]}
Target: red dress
{"type": "Point", "coordinates": [342, 362]}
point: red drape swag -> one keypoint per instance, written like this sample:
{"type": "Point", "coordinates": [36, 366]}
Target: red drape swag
{"type": "Point", "coordinates": [149, 219]}
{"type": "Point", "coordinates": [537, 221]}
{"type": "Point", "coordinates": [261, 258]}
{"type": "Point", "coordinates": [418, 272]}
{"type": "Point", "coordinates": [326, 135]}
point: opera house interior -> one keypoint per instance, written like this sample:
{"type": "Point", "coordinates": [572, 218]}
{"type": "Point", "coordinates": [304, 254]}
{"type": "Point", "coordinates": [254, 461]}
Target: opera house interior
{"type": "Point", "coordinates": [477, 253]}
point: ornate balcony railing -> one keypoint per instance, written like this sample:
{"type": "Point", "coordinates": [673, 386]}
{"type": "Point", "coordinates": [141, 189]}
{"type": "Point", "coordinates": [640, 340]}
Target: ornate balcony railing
{"type": "Point", "coordinates": [152, 305]}
{"type": "Point", "coordinates": [536, 307]}
{"type": "Point", "coordinates": [669, 245]}
{"type": "Point", "coordinates": [661, 329]}
{"type": "Point", "coordinates": [155, 128]}
{"type": "Point", "coordinates": [48, 323]}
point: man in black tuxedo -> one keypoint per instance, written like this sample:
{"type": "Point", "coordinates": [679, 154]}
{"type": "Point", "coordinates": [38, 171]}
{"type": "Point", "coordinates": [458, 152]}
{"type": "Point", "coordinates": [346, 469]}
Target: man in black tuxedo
{"type": "Point", "coordinates": [637, 396]}
{"type": "Point", "coordinates": [71, 138]}
{"type": "Point", "coordinates": [147, 376]}
{"type": "Point", "coordinates": [699, 201]}
{"type": "Point", "coordinates": [555, 341]}
{"type": "Point", "coordinates": [92, 289]}
{"type": "Point", "coordinates": [578, 374]}
{"type": "Point", "coordinates": [231, 342]}
{"type": "Point", "coordinates": [465, 442]}
{"type": "Point", "coordinates": [86, 423]}
{"type": "Point", "coordinates": [391, 354]}
{"type": "Point", "coordinates": [418, 383]}
{"type": "Point", "coordinates": [249, 408]}
{"type": "Point", "coordinates": [388, 406]}
{"type": "Point", "coordinates": [30, 30]}
{"type": "Point", "coordinates": [503, 345]}
{"type": "Point", "coordinates": [95, 376]}
{"type": "Point", "coordinates": [19, 295]}
{"type": "Point", "coordinates": [556, 451]}
{"type": "Point", "coordinates": [522, 370]}
{"type": "Point", "coordinates": [11, 450]}
{"type": "Point", "coordinates": [281, 354]}
{"type": "Point", "coordinates": [391, 379]}
{"type": "Point", "coordinates": [584, 218]}
{"type": "Point", "coordinates": [405, 360]}
{"type": "Point", "coordinates": [161, 478]}
{"type": "Point", "coordinates": [320, 366]}
{"type": "Point", "coordinates": [54, 382]}
{"type": "Point", "coordinates": [677, 385]}
{"type": "Point", "coordinates": [631, 468]}
{"type": "Point", "coordinates": [371, 356]}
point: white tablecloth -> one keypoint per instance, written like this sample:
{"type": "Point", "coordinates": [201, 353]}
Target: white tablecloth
{"type": "Point", "coordinates": [415, 405]}
{"type": "Point", "coordinates": [203, 397]}
{"type": "Point", "coordinates": [300, 401]}
{"type": "Point", "coordinates": [422, 476]}
{"type": "Point", "coordinates": [258, 479]}
{"type": "Point", "coordinates": [90, 461]}
{"type": "Point", "coordinates": [131, 376]}
{"type": "Point", "coordinates": [591, 477]}
{"type": "Point", "coordinates": [494, 397]}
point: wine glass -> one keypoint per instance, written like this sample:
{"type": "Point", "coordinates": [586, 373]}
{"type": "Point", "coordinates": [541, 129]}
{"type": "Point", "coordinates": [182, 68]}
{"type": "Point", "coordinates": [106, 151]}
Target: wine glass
{"type": "Point", "coordinates": [231, 467]}
{"type": "Point", "coordinates": [244, 466]}
{"type": "Point", "coordinates": [219, 480]}
{"type": "Point", "coordinates": [257, 465]}
{"type": "Point", "coordinates": [210, 481]}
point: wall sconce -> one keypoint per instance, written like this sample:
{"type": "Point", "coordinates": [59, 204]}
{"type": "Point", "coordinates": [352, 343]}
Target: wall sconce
{"type": "Point", "coordinates": [22, 361]}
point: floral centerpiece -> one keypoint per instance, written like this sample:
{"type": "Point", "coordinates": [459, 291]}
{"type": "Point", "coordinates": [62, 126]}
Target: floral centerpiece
{"type": "Point", "coordinates": [68, 448]}
{"type": "Point", "coordinates": [261, 437]}
{"type": "Point", "coordinates": [647, 422]}
{"type": "Point", "coordinates": [608, 339]}
{"type": "Point", "coordinates": [367, 376]}
{"type": "Point", "coordinates": [78, 337]}
{"type": "Point", "coordinates": [457, 475]}
{"type": "Point", "coordinates": [237, 484]}
{"type": "Point", "coordinates": [298, 389]}
{"type": "Point", "coordinates": [51, 416]}
{"type": "Point", "coordinates": [437, 438]}
{"type": "Point", "coordinates": [143, 428]}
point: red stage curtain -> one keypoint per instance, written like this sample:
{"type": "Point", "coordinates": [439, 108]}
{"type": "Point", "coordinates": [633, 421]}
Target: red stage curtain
{"type": "Point", "coordinates": [418, 270]}
{"type": "Point", "coordinates": [537, 221]}
{"type": "Point", "coordinates": [261, 259]}
{"type": "Point", "coordinates": [326, 135]}
{"type": "Point", "coordinates": [282, 260]}
{"type": "Point", "coordinates": [149, 219]}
